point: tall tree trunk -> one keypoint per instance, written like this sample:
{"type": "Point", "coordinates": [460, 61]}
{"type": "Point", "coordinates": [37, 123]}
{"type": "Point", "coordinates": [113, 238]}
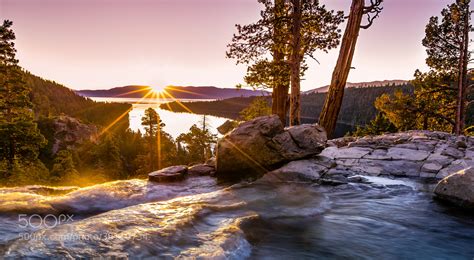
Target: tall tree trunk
{"type": "Point", "coordinates": [333, 101]}
{"type": "Point", "coordinates": [280, 87]}
{"type": "Point", "coordinates": [295, 64]}
{"type": "Point", "coordinates": [280, 91]}
{"type": "Point", "coordinates": [158, 145]}
{"type": "Point", "coordinates": [462, 78]}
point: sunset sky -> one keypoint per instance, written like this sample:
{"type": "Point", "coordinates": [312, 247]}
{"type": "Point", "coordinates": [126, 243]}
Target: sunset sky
{"type": "Point", "coordinates": [98, 44]}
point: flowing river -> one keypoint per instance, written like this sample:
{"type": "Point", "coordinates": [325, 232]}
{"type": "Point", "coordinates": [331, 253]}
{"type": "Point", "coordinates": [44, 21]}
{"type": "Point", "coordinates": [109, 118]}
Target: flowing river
{"type": "Point", "coordinates": [197, 218]}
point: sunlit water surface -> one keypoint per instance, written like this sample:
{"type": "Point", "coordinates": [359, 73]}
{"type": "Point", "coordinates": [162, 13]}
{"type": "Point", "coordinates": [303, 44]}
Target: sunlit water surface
{"type": "Point", "coordinates": [175, 123]}
{"type": "Point", "coordinates": [199, 218]}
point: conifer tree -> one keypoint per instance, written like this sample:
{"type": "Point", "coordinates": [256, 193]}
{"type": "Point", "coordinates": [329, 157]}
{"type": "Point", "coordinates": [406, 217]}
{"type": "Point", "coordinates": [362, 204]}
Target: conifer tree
{"type": "Point", "coordinates": [289, 31]}
{"type": "Point", "coordinates": [20, 139]}
{"type": "Point", "coordinates": [447, 46]}
{"type": "Point", "coordinates": [441, 97]}
{"type": "Point", "coordinates": [198, 144]}
{"type": "Point", "coordinates": [379, 125]}
{"type": "Point", "coordinates": [258, 107]}
{"type": "Point", "coordinates": [153, 125]}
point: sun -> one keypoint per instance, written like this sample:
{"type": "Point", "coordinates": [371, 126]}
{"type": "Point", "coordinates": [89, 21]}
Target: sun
{"type": "Point", "coordinates": [157, 89]}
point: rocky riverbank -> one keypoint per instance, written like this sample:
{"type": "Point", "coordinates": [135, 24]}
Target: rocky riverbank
{"type": "Point", "coordinates": [422, 154]}
{"type": "Point", "coordinates": [263, 147]}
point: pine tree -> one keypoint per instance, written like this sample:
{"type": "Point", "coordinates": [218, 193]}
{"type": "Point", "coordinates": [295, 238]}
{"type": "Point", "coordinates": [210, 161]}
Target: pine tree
{"type": "Point", "coordinates": [379, 125]}
{"type": "Point", "coordinates": [198, 144]}
{"type": "Point", "coordinates": [20, 139]}
{"type": "Point", "coordinates": [289, 32]}
{"type": "Point", "coordinates": [63, 167]}
{"type": "Point", "coordinates": [440, 99]}
{"type": "Point", "coordinates": [447, 46]}
{"type": "Point", "coordinates": [431, 106]}
{"type": "Point", "coordinates": [258, 107]}
{"type": "Point", "coordinates": [153, 126]}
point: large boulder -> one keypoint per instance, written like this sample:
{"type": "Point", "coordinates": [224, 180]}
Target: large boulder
{"type": "Point", "coordinates": [201, 170]}
{"type": "Point", "coordinates": [307, 170]}
{"type": "Point", "coordinates": [169, 174]}
{"type": "Point", "coordinates": [457, 188]}
{"type": "Point", "coordinates": [263, 144]}
{"type": "Point", "coordinates": [227, 126]}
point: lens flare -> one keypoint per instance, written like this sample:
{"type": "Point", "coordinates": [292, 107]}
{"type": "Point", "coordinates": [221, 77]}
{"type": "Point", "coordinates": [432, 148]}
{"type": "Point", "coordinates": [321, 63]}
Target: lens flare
{"type": "Point", "coordinates": [157, 89]}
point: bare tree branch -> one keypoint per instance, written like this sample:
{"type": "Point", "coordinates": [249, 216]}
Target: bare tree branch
{"type": "Point", "coordinates": [372, 11]}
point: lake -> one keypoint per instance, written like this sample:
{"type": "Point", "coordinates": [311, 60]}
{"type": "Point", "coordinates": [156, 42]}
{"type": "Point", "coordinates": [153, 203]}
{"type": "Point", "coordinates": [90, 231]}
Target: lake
{"type": "Point", "coordinates": [175, 123]}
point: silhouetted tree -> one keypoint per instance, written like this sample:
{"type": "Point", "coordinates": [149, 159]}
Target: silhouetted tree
{"type": "Point", "coordinates": [153, 125]}
{"type": "Point", "coordinates": [198, 144]}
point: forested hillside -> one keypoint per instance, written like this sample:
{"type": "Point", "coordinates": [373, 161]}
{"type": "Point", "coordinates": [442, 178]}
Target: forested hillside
{"type": "Point", "coordinates": [51, 99]}
{"type": "Point", "coordinates": [358, 107]}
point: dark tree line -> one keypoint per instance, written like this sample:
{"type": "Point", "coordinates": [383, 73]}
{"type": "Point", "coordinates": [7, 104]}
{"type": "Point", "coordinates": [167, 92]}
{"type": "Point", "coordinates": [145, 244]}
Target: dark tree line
{"type": "Point", "coordinates": [357, 108]}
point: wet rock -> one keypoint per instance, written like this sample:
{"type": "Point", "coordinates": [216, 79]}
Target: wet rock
{"type": "Point", "coordinates": [297, 171]}
{"type": "Point", "coordinates": [402, 168]}
{"type": "Point", "coordinates": [439, 159]}
{"type": "Point", "coordinates": [378, 154]}
{"type": "Point", "coordinates": [345, 153]}
{"type": "Point", "coordinates": [457, 188]}
{"type": "Point", "coordinates": [461, 142]}
{"type": "Point", "coordinates": [340, 171]}
{"type": "Point", "coordinates": [455, 166]}
{"type": "Point", "coordinates": [411, 146]}
{"type": "Point", "coordinates": [469, 154]}
{"type": "Point", "coordinates": [325, 161]}
{"type": "Point", "coordinates": [308, 137]}
{"type": "Point", "coordinates": [432, 167]}
{"type": "Point", "coordinates": [453, 152]}
{"type": "Point", "coordinates": [201, 170]}
{"type": "Point", "coordinates": [261, 145]}
{"type": "Point", "coordinates": [340, 142]}
{"type": "Point", "coordinates": [427, 175]}
{"type": "Point", "coordinates": [347, 162]}
{"type": "Point", "coordinates": [227, 126]}
{"type": "Point", "coordinates": [407, 154]}
{"type": "Point", "coordinates": [358, 179]}
{"type": "Point", "coordinates": [169, 174]}
{"type": "Point", "coordinates": [423, 154]}
{"type": "Point", "coordinates": [334, 181]}
{"type": "Point", "coordinates": [211, 162]}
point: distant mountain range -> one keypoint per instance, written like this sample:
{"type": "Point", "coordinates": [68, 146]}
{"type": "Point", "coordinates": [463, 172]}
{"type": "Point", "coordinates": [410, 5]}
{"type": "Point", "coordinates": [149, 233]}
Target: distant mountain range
{"type": "Point", "coordinates": [188, 92]}
{"type": "Point", "coordinates": [369, 84]}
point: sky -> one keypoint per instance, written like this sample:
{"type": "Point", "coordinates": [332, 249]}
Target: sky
{"type": "Point", "coordinates": [100, 44]}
